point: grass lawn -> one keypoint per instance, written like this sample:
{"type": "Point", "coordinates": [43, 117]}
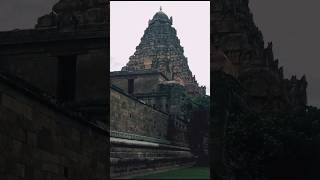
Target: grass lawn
{"type": "Point", "coordinates": [184, 173]}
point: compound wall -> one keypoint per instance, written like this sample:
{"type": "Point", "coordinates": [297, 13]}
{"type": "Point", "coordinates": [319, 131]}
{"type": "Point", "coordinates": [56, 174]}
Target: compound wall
{"type": "Point", "coordinates": [39, 141]}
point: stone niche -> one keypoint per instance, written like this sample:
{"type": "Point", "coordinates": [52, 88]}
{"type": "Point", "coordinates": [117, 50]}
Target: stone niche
{"type": "Point", "coordinates": [147, 62]}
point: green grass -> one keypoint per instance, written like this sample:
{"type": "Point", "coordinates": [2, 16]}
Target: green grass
{"type": "Point", "coordinates": [185, 173]}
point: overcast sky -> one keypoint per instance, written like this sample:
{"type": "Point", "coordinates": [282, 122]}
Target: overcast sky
{"type": "Point", "coordinates": [190, 19]}
{"type": "Point", "coordinates": [294, 28]}
{"type": "Point", "coordinates": [292, 25]}
{"type": "Point", "coordinates": [22, 14]}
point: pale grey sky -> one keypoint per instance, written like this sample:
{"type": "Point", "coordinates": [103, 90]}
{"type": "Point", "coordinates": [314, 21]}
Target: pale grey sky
{"type": "Point", "coordinates": [22, 14]}
{"type": "Point", "coordinates": [191, 19]}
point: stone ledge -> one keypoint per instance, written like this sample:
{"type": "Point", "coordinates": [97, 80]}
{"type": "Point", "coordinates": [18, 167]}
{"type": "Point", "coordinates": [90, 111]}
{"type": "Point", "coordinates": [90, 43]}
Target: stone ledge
{"type": "Point", "coordinates": [125, 169]}
{"type": "Point", "coordinates": [128, 142]}
{"type": "Point", "coordinates": [119, 90]}
{"type": "Point", "coordinates": [50, 35]}
{"type": "Point", "coordinates": [123, 135]}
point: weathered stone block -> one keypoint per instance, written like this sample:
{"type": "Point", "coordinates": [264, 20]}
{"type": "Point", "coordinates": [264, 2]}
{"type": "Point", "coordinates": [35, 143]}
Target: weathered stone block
{"type": "Point", "coordinates": [16, 106]}
{"type": "Point", "coordinates": [50, 167]}
{"type": "Point", "coordinates": [2, 164]}
{"type": "Point", "coordinates": [20, 170]}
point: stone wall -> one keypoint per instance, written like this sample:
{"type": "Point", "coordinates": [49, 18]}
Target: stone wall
{"type": "Point", "coordinates": [40, 141]}
{"type": "Point", "coordinates": [38, 69]}
{"type": "Point", "coordinates": [144, 81]}
{"type": "Point", "coordinates": [130, 115]}
{"type": "Point", "coordinates": [129, 159]}
{"type": "Point", "coordinates": [141, 137]}
{"type": "Point", "coordinates": [41, 67]}
{"type": "Point", "coordinates": [91, 75]}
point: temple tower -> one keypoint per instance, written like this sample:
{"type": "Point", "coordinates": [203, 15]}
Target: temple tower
{"type": "Point", "coordinates": [235, 34]}
{"type": "Point", "coordinates": [160, 50]}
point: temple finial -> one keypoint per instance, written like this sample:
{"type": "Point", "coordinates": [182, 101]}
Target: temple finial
{"type": "Point", "coordinates": [160, 8]}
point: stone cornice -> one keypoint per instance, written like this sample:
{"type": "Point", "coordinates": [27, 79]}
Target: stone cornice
{"type": "Point", "coordinates": [51, 35]}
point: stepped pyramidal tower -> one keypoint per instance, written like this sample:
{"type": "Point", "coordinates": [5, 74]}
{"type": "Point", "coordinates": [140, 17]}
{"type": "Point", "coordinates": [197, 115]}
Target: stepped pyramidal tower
{"type": "Point", "coordinates": [160, 50]}
{"type": "Point", "coordinates": [235, 34]}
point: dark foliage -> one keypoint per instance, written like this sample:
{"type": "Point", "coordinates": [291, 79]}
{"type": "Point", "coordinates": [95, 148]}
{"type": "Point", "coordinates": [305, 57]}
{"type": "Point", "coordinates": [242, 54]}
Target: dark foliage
{"type": "Point", "coordinates": [274, 146]}
{"type": "Point", "coordinates": [198, 109]}
{"type": "Point", "coordinates": [270, 146]}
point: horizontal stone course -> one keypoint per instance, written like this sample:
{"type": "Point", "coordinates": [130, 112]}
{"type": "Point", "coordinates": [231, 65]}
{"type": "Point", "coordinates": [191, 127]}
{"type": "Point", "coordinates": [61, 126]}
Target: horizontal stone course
{"type": "Point", "coordinates": [48, 143]}
{"type": "Point", "coordinates": [136, 118]}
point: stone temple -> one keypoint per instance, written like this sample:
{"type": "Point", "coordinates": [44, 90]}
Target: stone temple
{"type": "Point", "coordinates": [54, 113]}
{"type": "Point", "coordinates": [160, 50]}
{"type": "Point", "coordinates": [148, 119]}
{"type": "Point", "coordinates": [53, 92]}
